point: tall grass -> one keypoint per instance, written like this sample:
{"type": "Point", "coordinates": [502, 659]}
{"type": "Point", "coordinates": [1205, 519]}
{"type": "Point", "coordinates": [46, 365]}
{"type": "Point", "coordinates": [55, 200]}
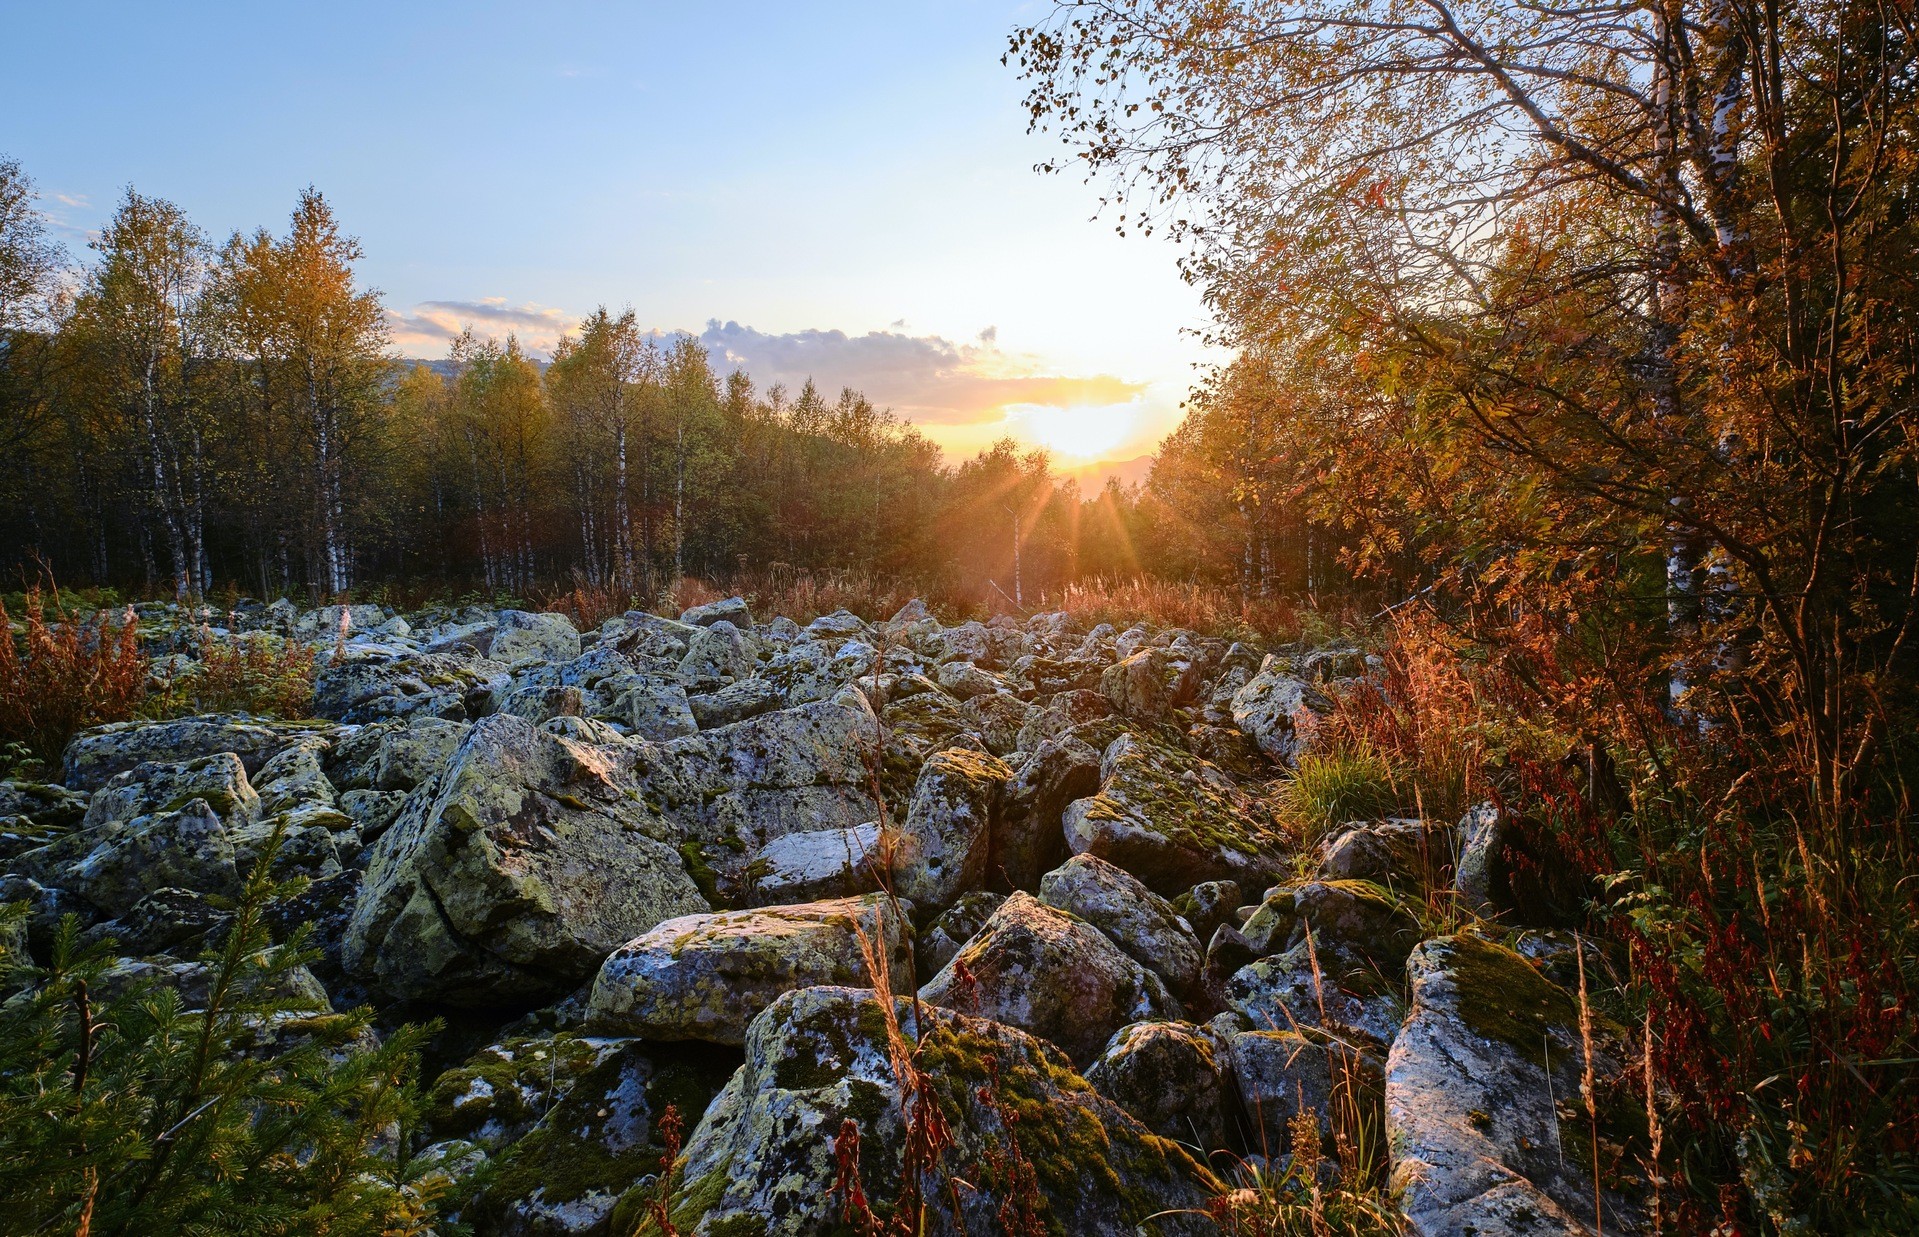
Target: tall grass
{"type": "Point", "coordinates": [1768, 946]}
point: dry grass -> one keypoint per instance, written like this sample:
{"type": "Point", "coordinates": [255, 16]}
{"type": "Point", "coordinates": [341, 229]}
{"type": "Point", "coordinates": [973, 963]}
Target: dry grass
{"type": "Point", "coordinates": [66, 673]}
{"type": "Point", "coordinates": [1199, 607]}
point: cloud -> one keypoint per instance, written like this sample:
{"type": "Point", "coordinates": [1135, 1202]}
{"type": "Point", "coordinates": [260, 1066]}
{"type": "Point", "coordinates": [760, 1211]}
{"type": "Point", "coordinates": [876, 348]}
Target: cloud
{"type": "Point", "coordinates": [432, 325]}
{"type": "Point", "coordinates": [927, 379]}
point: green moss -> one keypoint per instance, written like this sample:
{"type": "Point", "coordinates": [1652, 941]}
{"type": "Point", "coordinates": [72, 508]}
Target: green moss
{"type": "Point", "coordinates": [1501, 997]}
{"type": "Point", "coordinates": [704, 877]}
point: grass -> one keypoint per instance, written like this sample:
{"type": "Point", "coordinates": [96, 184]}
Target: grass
{"type": "Point", "coordinates": [1332, 787]}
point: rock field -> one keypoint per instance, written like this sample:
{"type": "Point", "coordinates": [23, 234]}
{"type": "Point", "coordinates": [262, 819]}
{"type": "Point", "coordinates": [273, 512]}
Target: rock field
{"type": "Point", "coordinates": [656, 863]}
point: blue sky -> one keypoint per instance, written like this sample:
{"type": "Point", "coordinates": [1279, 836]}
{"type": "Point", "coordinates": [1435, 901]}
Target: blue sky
{"type": "Point", "coordinates": [845, 188]}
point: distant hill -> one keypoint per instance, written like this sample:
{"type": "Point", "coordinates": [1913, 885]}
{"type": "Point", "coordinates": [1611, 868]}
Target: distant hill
{"type": "Point", "coordinates": [1092, 478]}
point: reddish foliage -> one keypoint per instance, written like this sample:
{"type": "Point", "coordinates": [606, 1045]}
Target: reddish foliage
{"type": "Point", "coordinates": [66, 674]}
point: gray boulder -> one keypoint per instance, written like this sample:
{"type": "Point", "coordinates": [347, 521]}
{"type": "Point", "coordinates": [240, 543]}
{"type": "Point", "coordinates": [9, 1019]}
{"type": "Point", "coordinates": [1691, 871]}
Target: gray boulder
{"type": "Point", "coordinates": [728, 610]}
{"type": "Point", "coordinates": [95, 755]}
{"type": "Point", "coordinates": [514, 872]}
{"type": "Point", "coordinates": [762, 1159]}
{"type": "Point", "coordinates": [1483, 1115]}
{"type": "Point", "coordinates": [519, 635]}
{"type": "Point", "coordinates": [943, 845]}
{"type": "Point", "coordinates": [1052, 975]}
{"type": "Point", "coordinates": [1139, 921]}
{"type": "Point", "coordinates": [1172, 820]}
{"type": "Point", "coordinates": [816, 864]}
{"type": "Point", "coordinates": [705, 976]}
{"type": "Point", "coordinates": [1028, 838]}
{"type": "Point", "coordinates": [372, 687]}
{"type": "Point", "coordinates": [1172, 1077]}
{"type": "Point", "coordinates": [1269, 708]}
{"type": "Point", "coordinates": [1280, 1074]}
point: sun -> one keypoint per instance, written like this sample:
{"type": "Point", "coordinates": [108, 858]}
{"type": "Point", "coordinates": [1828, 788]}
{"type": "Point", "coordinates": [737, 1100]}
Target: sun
{"type": "Point", "coordinates": [1080, 434]}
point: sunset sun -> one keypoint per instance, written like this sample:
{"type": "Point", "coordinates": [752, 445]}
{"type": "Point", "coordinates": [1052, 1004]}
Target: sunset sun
{"type": "Point", "coordinates": [1079, 434]}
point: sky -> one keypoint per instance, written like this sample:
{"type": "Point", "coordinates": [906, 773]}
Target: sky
{"type": "Point", "coordinates": [837, 190]}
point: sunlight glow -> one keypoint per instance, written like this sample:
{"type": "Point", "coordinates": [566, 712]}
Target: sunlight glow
{"type": "Point", "coordinates": [1082, 433]}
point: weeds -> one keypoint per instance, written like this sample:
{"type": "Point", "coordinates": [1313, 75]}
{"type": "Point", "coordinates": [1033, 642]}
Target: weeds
{"type": "Point", "coordinates": [1329, 788]}
{"type": "Point", "coordinates": [66, 673]}
{"type": "Point", "coordinates": [254, 673]}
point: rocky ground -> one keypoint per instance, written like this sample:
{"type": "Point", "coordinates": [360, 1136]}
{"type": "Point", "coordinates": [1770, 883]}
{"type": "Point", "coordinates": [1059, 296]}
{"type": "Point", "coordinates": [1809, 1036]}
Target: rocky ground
{"type": "Point", "coordinates": [643, 865]}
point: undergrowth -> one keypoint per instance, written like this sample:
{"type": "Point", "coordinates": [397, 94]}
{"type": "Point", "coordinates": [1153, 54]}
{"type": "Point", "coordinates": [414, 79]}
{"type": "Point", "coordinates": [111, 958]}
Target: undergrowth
{"type": "Point", "coordinates": [64, 672]}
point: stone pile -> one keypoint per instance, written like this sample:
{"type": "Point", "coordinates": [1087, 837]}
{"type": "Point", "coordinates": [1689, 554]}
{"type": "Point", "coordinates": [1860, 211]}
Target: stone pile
{"type": "Point", "coordinates": [687, 862]}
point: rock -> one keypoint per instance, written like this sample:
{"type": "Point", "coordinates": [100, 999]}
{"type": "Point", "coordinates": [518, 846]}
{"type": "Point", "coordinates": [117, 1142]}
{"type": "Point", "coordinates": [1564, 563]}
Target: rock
{"type": "Point", "coordinates": [716, 655]}
{"type": "Point", "coordinates": [796, 770]}
{"type": "Point", "coordinates": [1471, 1084]}
{"type": "Point", "coordinates": [762, 1159]}
{"type": "Point", "coordinates": [42, 805]}
{"type": "Point", "coordinates": [1028, 838]}
{"type": "Point", "coordinates": [1148, 685]}
{"type": "Point", "coordinates": [841, 622]}
{"type": "Point", "coordinates": [187, 848]}
{"type": "Point", "coordinates": [1170, 819]}
{"type": "Point", "coordinates": [964, 680]}
{"type": "Point", "coordinates": [729, 610]}
{"type": "Point", "coordinates": [1209, 905]}
{"type": "Point", "coordinates": [567, 1175]}
{"type": "Point", "coordinates": [294, 779]}
{"type": "Point", "coordinates": [654, 709]}
{"type": "Point", "coordinates": [219, 780]}
{"type": "Point", "coordinates": [1067, 712]}
{"type": "Point", "coordinates": [1359, 931]}
{"type": "Point", "coordinates": [943, 844]}
{"type": "Point", "coordinates": [1139, 921]}
{"type": "Point", "coordinates": [997, 719]}
{"type": "Point", "coordinates": [1518, 871]}
{"type": "Point", "coordinates": [414, 750]}
{"type": "Point", "coordinates": [500, 1092]}
{"type": "Point", "coordinates": [1171, 1076]}
{"type": "Point", "coordinates": [1050, 974]}
{"type": "Point", "coordinates": [1284, 992]}
{"type": "Point", "coordinates": [816, 864]}
{"type": "Point", "coordinates": [1269, 707]}
{"type": "Point", "coordinates": [735, 702]}
{"type": "Point", "coordinates": [543, 702]}
{"type": "Point", "coordinates": [1413, 855]}
{"type": "Point", "coordinates": [948, 934]}
{"type": "Point", "coordinates": [967, 642]}
{"type": "Point", "coordinates": [164, 921]}
{"type": "Point", "coordinates": [705, 976]}
{"type": "Point", "coordinates": [370, 688]}
{"type": "Point", "coordinates": [1228, 749]}
{"type": "Point", "coordinates": [519, 635]}
{"type": "Point", "coordinates": [511, 875]}
{"type": "Point", "coordinates": [1282, 1073]}
{"type": "Point", "coordinates": [96, 755]}
{"type": "Point", "coordinates": [324, 907]}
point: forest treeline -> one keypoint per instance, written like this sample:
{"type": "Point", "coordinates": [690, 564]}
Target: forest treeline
{"type": "Point", "coordinates": [181, 414]}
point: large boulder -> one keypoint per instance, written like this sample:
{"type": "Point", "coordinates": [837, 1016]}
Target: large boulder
{"type": "Point", "coordinates": [371, 687]}
{"type": "Point", "coordinates": [1270, 709]}
{"type": "Point", "coordinates": [566, 1176]}
{"type": "Point", "coordinates": [94, 756]}
{"type": "Point", "coordinates": [704, 977]}
{"type": "Point", "coordinates": [735, 702]}
{"type": "Point", "coordinates": [727, 610]}
{"type": "Point", "coordinates": [1051, 974]}
{"type": "Point", "coordinates": [187, 848]}
{"type": "Point", "coordinates": [1488, 1132]}
{"type": "Point", "coordinates": [1173, 1077]}
{"type": "Point", "coordinates": [1028, 839]}
{"type": "Point", "coordinates": [1409, 854]}
{"type": "Point", "coordinates": [944, 843]}
{"type": "Point", "coordinates": [519, 635]}
{"type": "Point", "coordinates": [816, 864]}
{"type": "Point", "coordinates": [1171, 819]}
{"type": "Point", "coordinates": [1281, 1074]}
{"type": "Point", "coordinates": [1149, 684]}
{"type": "Point", "coordinates": [763, 1159]}
{"type": "Point", "coordinates": [1143, 924]}
{"type": "Point", "coordinates": [510, 875]}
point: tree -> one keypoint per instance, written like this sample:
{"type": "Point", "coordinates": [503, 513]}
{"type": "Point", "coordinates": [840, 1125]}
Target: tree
{"type": "Point", "coordinates": [313, 343]}
{"type": "Point", "coordinates": [141, 325]}
{"type": "Point", "coordinates": [1646, 263]}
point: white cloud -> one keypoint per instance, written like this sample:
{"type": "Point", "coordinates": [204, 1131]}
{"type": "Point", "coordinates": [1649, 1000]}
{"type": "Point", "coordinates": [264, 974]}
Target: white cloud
{"type": "Point", "coordinates": [432, 325]}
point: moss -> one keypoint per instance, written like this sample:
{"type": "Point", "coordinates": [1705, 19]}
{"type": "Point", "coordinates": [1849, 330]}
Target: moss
{"type": "Point", "coordinates": [704, 877]}
{"type": "Point", "coordinates": [1501, 997]}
